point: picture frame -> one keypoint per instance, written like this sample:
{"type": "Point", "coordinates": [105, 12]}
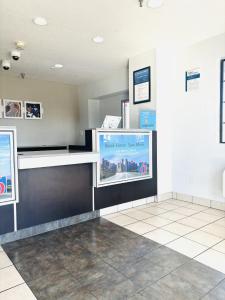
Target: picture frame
{"type": "Point", "coordinates": [222, 101]}
{"type": "Point", "coordinates": [33, 110]}
{"type": "Point", "coordinates": [12, 109]}
{"type": "Point", "coordinates": [142, 85]}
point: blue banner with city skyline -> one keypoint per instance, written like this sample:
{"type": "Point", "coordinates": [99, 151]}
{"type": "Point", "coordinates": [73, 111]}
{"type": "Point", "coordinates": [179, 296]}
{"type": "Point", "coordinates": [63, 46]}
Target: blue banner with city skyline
{"type": "Point", "coordinates": [124, 157]}
{"type": "Point", "coordinates": [5, 167]}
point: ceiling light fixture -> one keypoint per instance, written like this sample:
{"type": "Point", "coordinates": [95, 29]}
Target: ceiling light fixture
{"type": "Point", "coordinates": [40, 21]}
{"type": "Point", "coordinates": [154, 3]}
{"type": "Point", "coordinates": [98, 39]}
{"type": "Point", "coordinates": [57, 66]}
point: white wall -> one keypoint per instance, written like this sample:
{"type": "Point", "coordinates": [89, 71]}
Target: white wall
{"type": "Point", "coordinates": [60, 120]}
{"type": "Point", "coordinates": [198, 158]}
{"type": "Point", "coordinates": [115, 83]}
{"type": "Point", "coordinates": [159, 90]}
{"type": "Point", "coordinates": [138, 62]}
{"type": "Point", "coordinates": [190, 158]}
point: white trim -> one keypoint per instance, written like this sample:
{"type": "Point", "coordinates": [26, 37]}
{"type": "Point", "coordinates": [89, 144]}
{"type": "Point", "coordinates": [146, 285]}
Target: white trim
{"type": "Point", "coordinates": [39, 160]}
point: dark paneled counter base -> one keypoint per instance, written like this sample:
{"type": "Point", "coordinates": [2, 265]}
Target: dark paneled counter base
{"type": "Point", "coordinates": [6, 219]}
{"type": "Point", "coordinates": [125, 192]}
{"type": "Point", "coordinates": [49, 194]}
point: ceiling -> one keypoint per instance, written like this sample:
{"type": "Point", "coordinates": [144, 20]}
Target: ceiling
{"type": "Point", "coordinates": [128, 30]}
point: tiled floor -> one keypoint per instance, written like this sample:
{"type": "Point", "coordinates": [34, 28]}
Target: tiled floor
{"type": "Point", "coordinates": [193, 230]}
{"type": "Point", "coordinates": [101, 260]}
{"type": "Point", "coordinates": [12, 285]}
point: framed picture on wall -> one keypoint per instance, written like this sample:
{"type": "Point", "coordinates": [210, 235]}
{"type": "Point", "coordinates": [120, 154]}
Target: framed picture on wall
{"type": "Point", "coordinates": [142, 85]}
{"type": "Point", "coordinates": [12, 109]}
{"type": "Point", "coordinates": [33, 110]}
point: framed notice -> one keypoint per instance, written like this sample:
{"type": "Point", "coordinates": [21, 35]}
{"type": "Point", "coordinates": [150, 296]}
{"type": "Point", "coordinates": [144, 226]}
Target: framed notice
{"type": "Point", "coordinates": [8, 166]}
{"type": "Point", "coordinates": [142, 85]}
{"type": "Point", "coordinates": [192, 80]}
{"type": "Point", "coordinates": [222, 101]}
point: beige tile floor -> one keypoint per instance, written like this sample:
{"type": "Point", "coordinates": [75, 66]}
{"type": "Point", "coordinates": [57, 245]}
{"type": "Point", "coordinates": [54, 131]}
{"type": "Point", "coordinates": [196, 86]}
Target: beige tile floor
{"type": "Point", "coordinates": [193, 230]}
{"type": "Point", "coordinates": [12, 285]}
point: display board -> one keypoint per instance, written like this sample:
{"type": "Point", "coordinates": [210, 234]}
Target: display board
{"type": "Point", "coordinates": [124, 156]}
{"type": "Point", "coordinates": [8, 166]}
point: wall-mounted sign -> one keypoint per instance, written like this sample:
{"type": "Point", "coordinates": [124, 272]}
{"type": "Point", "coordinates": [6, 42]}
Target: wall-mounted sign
{"type": "Point", "coordinates": [148, 119]}
{"type": "Point", "coordinates": [142, 85]}
{"type": "Point", "coordinates": [192, 80]}
{"type": "Point", "coordinates": [8, 166]}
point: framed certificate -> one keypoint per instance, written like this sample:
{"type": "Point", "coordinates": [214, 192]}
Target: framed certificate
{"type": "Point", "coordinates": [142, 85]}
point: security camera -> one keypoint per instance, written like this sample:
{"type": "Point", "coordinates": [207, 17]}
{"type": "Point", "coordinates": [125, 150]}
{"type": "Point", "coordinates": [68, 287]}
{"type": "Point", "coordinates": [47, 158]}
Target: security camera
{"type": "Point", "coordinates": [6, 64]}
{"type": "Point", "coordinates": [15, 54]}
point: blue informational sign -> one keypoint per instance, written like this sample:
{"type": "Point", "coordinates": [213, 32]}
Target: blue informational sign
{"type": "Point", "coordinates": [124, 157]}
{"type": "Point", "coordinates": [148, 119]}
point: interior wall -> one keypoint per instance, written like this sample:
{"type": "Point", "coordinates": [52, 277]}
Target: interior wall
{"type": "Point", "coordinates": [159, 102]}
{"type": "Point", "coordinates": [60, 103]}
{"type": "Point", "coordinates": [198, 157]}
{"type": "Point", "coordinates": [138, 62]}
{"type": "Point", "coordinates": [117, 82]}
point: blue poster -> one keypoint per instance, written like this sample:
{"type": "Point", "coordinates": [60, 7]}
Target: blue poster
{"type": "Point", "coordinates": [124, 157]}
{"type": "Point", "coordinates": [148, 119]}
{"type": "Point", "coordinates": [5, 167]}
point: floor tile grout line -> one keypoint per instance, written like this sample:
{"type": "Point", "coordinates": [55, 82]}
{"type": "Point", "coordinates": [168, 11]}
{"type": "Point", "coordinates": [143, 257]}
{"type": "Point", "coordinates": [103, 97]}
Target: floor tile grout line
{"type": "Point", "coordinates": [7, 267]}
{"type": "Point", "coordinates": [213, 288]}
{"type": "Point", "coordinates": [1, 292]}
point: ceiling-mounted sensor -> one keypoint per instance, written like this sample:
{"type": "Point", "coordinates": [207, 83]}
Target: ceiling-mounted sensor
{"type": "Point", "coordinates": [15, 54]}
{"type": "Point", "coordinates": [20, 45]}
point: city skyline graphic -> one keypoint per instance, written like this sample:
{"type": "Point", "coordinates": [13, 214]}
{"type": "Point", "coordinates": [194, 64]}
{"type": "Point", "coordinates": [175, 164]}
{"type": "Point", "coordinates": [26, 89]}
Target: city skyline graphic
{"type": "Point", "coordinates": [124, 157]}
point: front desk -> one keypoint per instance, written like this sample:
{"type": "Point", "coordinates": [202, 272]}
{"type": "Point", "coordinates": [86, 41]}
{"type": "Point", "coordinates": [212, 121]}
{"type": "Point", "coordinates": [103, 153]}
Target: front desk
{"type": "Point", "coordinates": [57, 185]}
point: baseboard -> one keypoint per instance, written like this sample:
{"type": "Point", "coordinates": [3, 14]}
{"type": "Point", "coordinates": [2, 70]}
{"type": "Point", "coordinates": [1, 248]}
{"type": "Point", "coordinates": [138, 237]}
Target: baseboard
{"type": "Point", "coordinates": [200, 201]}
{"type": "Point", "coordinates": [120, 207]}
{"type": "Point", "coordinates": [43, 228]}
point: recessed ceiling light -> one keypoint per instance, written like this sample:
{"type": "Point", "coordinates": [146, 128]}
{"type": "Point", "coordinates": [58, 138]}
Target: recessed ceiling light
{"type": "Point", "coordinates": [57, 66]}
{"type": "Point", "coordinates": [155, 3]}
{"type": "Point", "coordinates": [40, 21]}
{"type": "Point", "coordinates": [98, 39]}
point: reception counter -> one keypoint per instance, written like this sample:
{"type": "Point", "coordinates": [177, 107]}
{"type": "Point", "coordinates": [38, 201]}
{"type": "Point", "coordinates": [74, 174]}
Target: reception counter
{"type": "Point", "coordinates": [60, 185]}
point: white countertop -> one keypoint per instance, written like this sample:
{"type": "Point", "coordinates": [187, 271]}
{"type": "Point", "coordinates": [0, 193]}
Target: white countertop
{"type": "Point", "coordinates": [44, 159]}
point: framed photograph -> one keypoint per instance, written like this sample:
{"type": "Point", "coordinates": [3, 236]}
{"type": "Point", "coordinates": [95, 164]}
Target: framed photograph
{"type": "Point", "coordinates": [33, 110]}
{"type": "Point", "coordinates": [142, 85]}
{"type": "Point", "coordinates": [12, 109]}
